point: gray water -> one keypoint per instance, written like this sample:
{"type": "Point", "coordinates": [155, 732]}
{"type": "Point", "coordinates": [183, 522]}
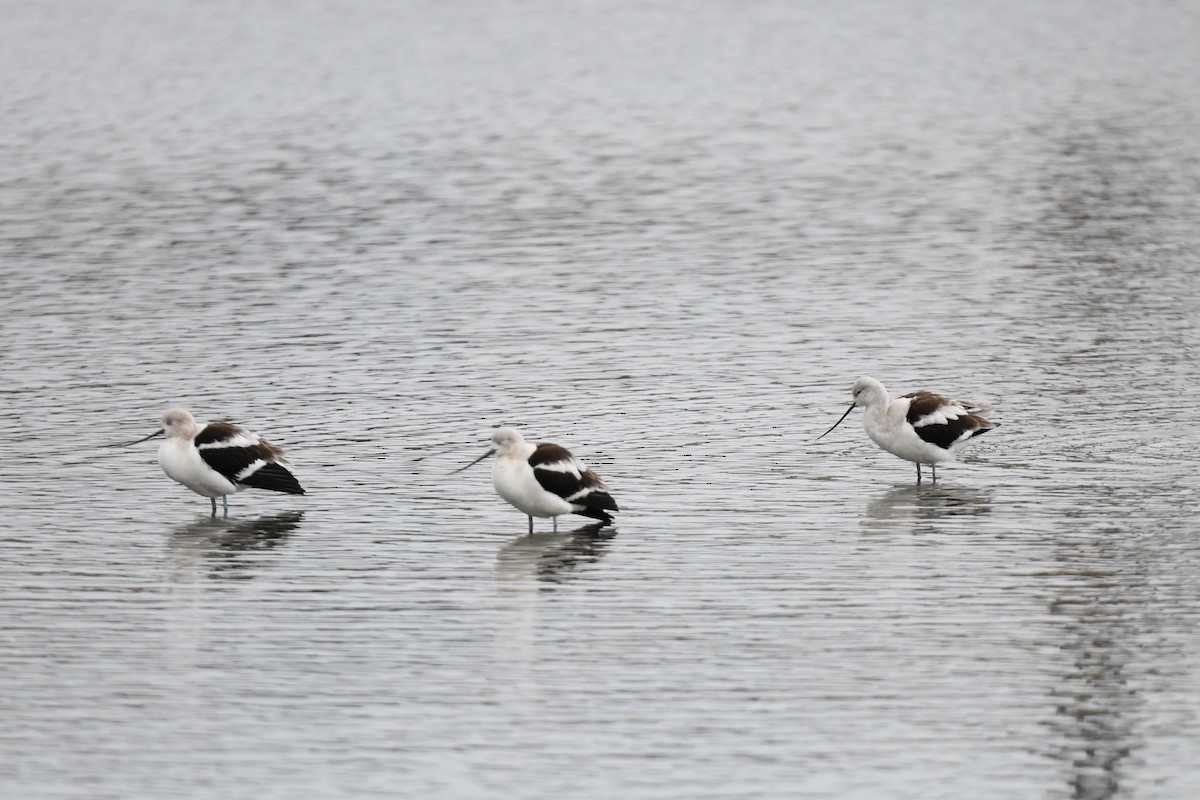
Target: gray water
{"type": "Point", "coordinates": [668, 236]}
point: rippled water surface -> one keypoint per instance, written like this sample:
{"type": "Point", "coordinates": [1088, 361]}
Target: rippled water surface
{"type": "Point", "coordinates": [668, 236]}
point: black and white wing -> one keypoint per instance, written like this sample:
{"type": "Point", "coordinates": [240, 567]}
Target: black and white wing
{"type": "Point", "coordinates": [560, 473]}
{"type": "Point", "coordinates": [244, 457]}
{"type": "Point", "coordinates": [944, 422]}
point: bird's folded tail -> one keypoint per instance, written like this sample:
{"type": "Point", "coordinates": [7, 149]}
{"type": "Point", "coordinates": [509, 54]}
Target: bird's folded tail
{"type": "Point", "coordinates": [596, 504]}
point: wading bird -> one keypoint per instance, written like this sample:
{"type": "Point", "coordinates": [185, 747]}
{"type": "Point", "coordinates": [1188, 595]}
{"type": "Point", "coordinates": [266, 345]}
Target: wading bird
{"type": "Point", "coordinates": [545, 480]}
{"type": "Point", "coordinates": [219, 458]}
{"type": "Point", "coordinates": [921, 427]}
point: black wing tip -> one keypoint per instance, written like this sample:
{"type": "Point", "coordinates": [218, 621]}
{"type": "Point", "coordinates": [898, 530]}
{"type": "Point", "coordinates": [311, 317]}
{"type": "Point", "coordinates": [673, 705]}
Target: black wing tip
{"type": "Point", "coordinates": [274, 478]}
{"type": "Point", "coordinates": [597, 513]}
{"type": "Point", "coordinates": [597, 505]}
{"type": "Point", "coordinates": [602, 500]}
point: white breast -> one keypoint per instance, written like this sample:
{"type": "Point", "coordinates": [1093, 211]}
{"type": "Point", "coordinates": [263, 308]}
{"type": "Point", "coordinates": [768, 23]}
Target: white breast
{"type": "Point", "coordinates": [514, 481]}
{"type": "Point", "coordinates": [182, 463]}
{"type": "Point", "coordinates": [889, 429]}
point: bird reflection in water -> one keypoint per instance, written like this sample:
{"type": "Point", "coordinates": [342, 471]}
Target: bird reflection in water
{"type": "Point", "coordinates": [525, 568]}
{"type": "Point", "coordinates": [925, 505]}
{"type": "Point", "coordinates": [553, 557]}
{"type": "Point", "coordinates": [226, 545]}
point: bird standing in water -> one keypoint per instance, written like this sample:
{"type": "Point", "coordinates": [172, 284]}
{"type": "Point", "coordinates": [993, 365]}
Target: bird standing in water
{"type": "Point", "coordinates": [218, 459]}
{"type": "Point", "coordinates": [921, 427]}
{"type": "Point", "coordinates": [545, 480]}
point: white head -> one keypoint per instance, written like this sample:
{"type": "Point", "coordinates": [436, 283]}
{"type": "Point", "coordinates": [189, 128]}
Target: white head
{"type": "Point", "coordinates": [868, 391]}
{"type": "Point", "coordinates": [179, 422]}
{"type": "Point", "coordinates": [507, 440]}
{"type": "Point", "coordinates": [176, 422]}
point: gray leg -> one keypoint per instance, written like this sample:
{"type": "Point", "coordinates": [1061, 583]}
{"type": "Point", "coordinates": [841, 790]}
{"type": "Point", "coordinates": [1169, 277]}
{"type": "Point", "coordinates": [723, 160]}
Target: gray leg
{"type": "Point", "coordinates": [213, 500]}
{"type": "Point", "coordinates": [531, 525]}
{"type": "Point", "coordinates": [934, 468]}
{"type": "Point", "coordinates": [918, 474]}
{"type": "Point", "coordinates": [555, 524]}
{"type": "Point", "coordinates": [225, 502]}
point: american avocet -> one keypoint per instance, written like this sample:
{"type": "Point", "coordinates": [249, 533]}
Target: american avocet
{"type": "Point", "coordinates": [921, 427]}
{"type": "Point", "coordinates": [219, 458]}
{"type": "Point", "coordinates": [545, 480]}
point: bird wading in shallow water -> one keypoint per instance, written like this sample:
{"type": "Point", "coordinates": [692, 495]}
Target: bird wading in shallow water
{"type": "Point", "coordinates": [921, 427]}
{"type": "Point", "coordinates": [545, 480]}
{"type": "Point", "coordinates": [219, 458]}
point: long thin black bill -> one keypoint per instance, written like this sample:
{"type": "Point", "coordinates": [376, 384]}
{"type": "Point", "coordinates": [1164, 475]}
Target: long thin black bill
{"type": "Point", "coordinates": [476, 461]}
{"type": "Point", "coordinates": [158, 432]}
{"type": "Point", "coordinates": [839, 422]}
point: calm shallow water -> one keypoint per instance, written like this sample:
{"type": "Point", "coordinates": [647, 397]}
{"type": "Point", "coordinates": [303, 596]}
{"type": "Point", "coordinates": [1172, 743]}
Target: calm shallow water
{"type": "Point", "coordinates": [669, 237]}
